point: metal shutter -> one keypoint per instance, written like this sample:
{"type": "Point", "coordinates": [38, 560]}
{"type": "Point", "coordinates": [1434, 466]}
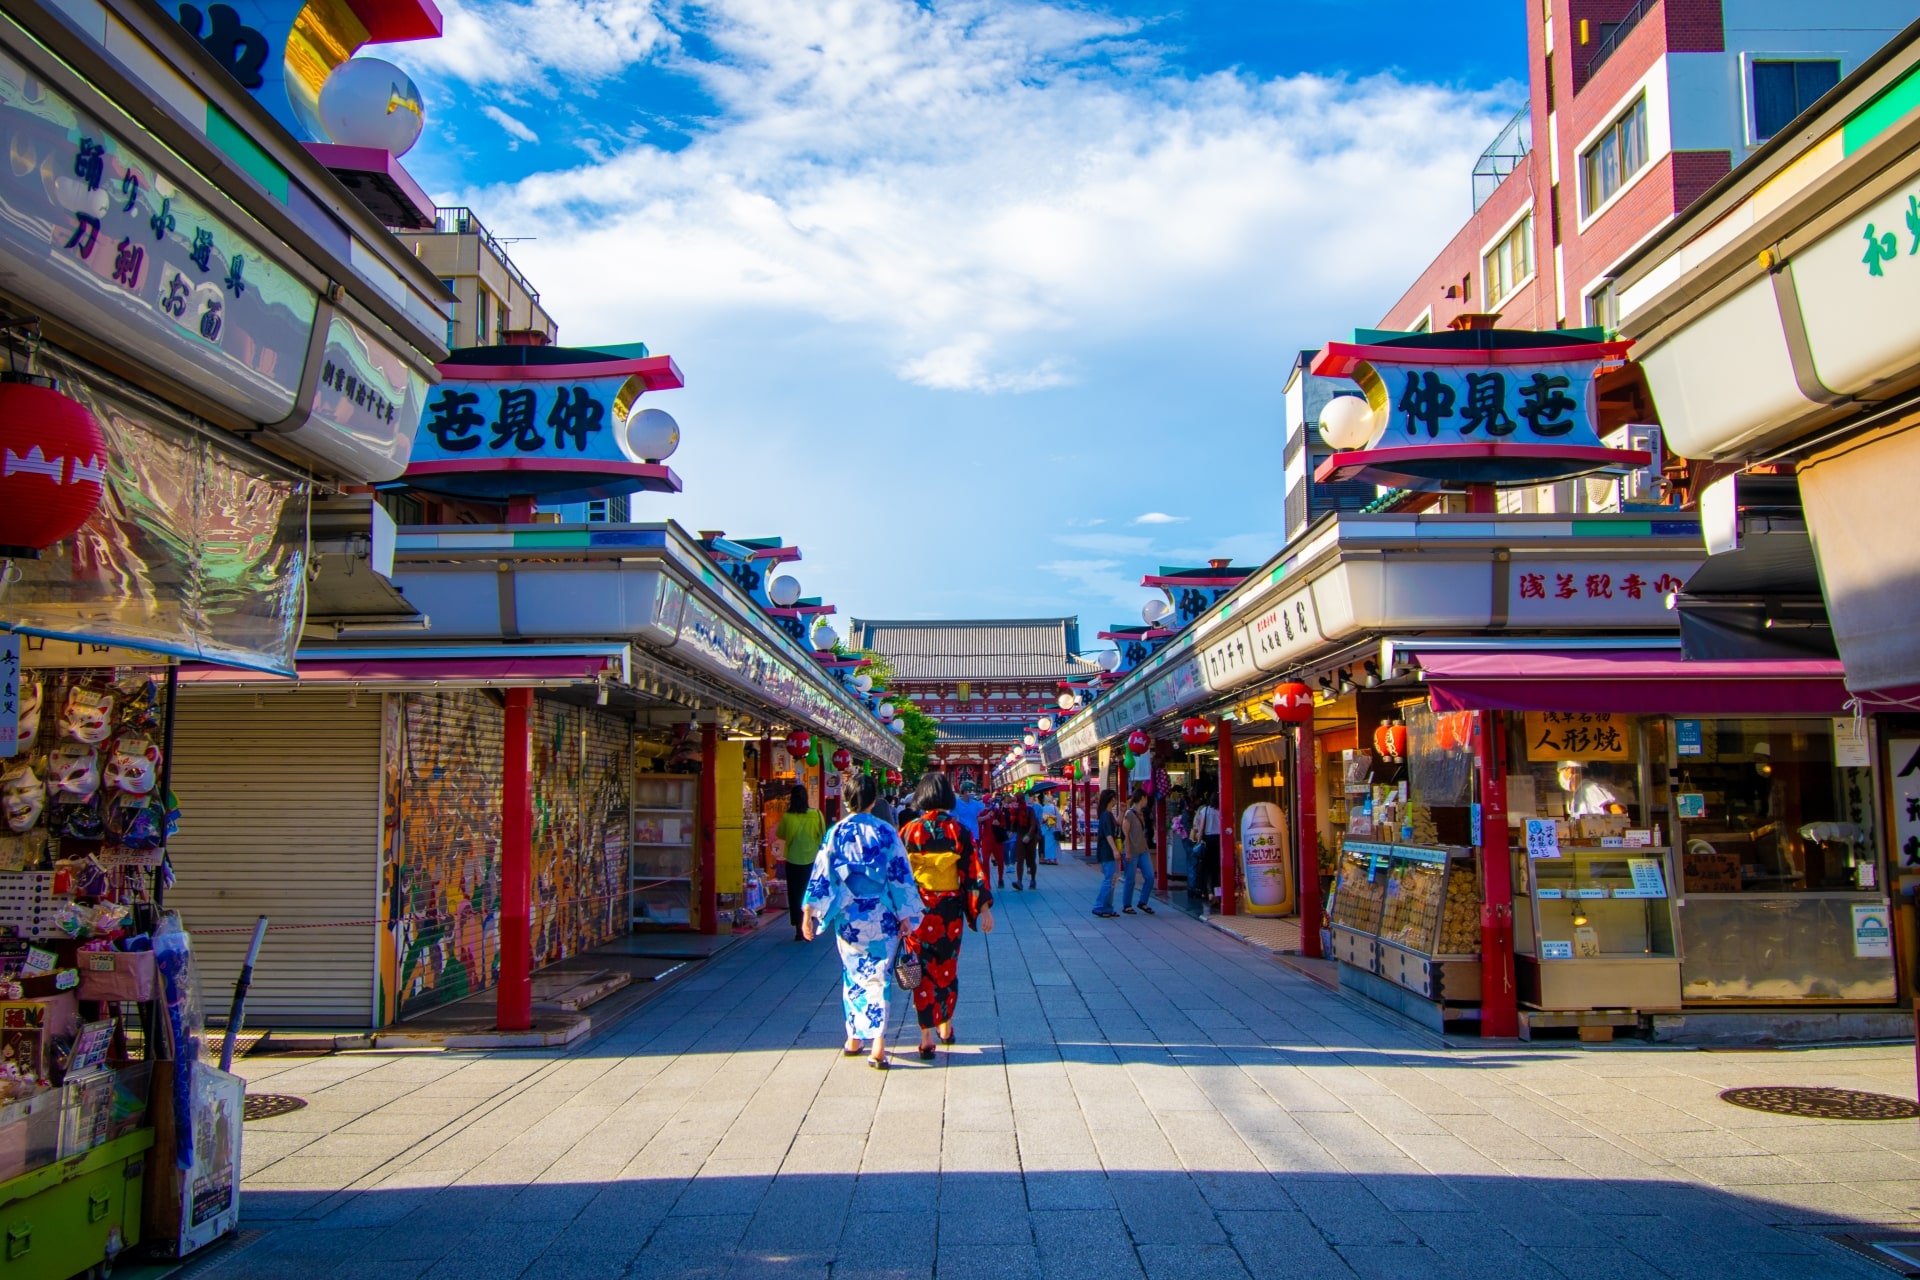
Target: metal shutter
{"type": "Point", "coordinates": [280, 815]}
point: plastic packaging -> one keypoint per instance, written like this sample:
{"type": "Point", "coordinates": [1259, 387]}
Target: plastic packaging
{"type": "Point", "coordinates": [173, 954]}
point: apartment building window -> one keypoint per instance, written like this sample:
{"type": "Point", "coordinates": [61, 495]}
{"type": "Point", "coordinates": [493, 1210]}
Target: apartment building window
{"type": "Point", "coordinates": [1783, 89]}
{"type": "Point", "coordinates": [1603, 307]}
{"type": "Point", "coordinates": [482, 314]}
{"type": "Point", "coordinates": [1611, 162]}
{"type": "Point", "coordinates": [456, 310]}
{"type": "Point", "coordinates": [1510, 262]}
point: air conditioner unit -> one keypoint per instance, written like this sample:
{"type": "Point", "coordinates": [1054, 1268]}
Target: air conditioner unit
{"type": "Point", "coordinates": [1638, 487]}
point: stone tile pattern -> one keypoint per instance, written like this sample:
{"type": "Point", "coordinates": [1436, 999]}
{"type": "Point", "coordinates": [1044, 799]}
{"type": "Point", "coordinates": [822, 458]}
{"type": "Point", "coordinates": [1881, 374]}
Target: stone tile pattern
{"type": "Point", "coordinates": [1131, 1098]}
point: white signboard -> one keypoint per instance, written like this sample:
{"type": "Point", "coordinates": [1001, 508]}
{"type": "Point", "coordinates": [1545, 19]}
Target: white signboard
{"type": "Point", "coordinates": [1228, 662]}
{"type": "Point", "coordinates": [1285, 632]}
{"type": "Point", "coordinates": [1850, 743]}
{"type": "Point", "coordinates": [1872, 931]}
{"type": "Point", "coordinates": [1593, 592]}
{"type": "Point", "coordinates": [1904, 755]}
{"type": "Point", "coordinates": [1543, 838]}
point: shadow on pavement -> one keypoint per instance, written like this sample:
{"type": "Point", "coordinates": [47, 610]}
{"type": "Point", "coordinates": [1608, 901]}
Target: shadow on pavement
{"type": "Point", "coordinates": [1044, 1224]}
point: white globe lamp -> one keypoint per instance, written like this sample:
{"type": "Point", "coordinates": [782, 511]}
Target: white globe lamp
{"type": "Point", "coordinates": [1153, 610]}
{"type": "Point", "coordinates": [863, 682]}
{"type": "Point", "coordinates": [1029, 741]}
{"type": "Point", "coordinates": [897, 727]}
{"type": "Point", "coordinates": [365, 102]}
{"type": "Point", "coordinates": [784, 591]}
{"type": "Point", "coordinates": [1346, 423]}
{"type": "Point", "coordinates": [652, 434]}
{"type": "Point", "coordinates": [886, 711]}
{"type": "Point", "coordinates": [824, 638]}
{"type": "Point", "coordinates": [1046, 724]}
{"type": "Point", "coordinates": [1064, 702]}
{"type": "Point", "coordinates": [1109, 660]}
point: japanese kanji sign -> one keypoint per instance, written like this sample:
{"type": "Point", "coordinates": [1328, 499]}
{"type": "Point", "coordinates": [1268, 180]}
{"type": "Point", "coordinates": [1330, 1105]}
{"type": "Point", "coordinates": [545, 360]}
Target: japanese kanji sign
{"type": "Point", "coordinates": [1578, 735]}
{"type": "Point", "coordinates": [137, 247]}
{"type": "Point", "coordinates": [572, 421]}
{"type": "Point", "coordinates": [1903, 758]}
{"type": "Point", "coordinates": [1525, 404]}
{"type": "Point", "coordinates": [1597, 592]}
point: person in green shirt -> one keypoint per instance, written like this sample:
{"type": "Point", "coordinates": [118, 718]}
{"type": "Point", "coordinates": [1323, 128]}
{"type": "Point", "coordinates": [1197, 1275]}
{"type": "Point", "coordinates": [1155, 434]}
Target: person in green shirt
{"type": "Point", "coordinates": [799, 833]}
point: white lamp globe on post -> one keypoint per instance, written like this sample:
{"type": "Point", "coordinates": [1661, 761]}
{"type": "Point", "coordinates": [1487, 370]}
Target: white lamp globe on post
{"type": "Point", "coordinates": [1029, 741]}
{"type": "Point", "coordinates": [886, 711]}
{"type": "Point", "coordinates": [1346, 424]}
{"type": "Point", "coordinates": [784, 591]}
{"type": "Point", "coordinates": [1153, 610]}
{"type": "Point", "coordinates": [1109, 660]}
{"type": "Point", "coordinates": [897, 727]}
{"type": "Point", "coordinates": [863, 682]}
{"type": "Point", "coordinates": [1046, 724]}
{"type": "Point", "coordinates": [824, 638]}
{"type": "Point", "coordinates": [1064, 702]}
{"type": "Point", "coordinates": [365, 102]}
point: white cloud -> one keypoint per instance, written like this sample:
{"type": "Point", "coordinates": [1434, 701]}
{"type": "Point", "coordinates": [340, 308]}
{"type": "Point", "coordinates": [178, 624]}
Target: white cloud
{"type": "Point", "coordinates": [1099, 578]}
{"type": "Point", "coordinates": [984, 195]}
{"type": "Point", "coordinates": [1158, 517]}
{"type": "Point", "coordinates": [523, 42]}
{"type": "Point", "coordinates": [1110, 543]}
{"type": "Point", "coordinates": [513, 127]}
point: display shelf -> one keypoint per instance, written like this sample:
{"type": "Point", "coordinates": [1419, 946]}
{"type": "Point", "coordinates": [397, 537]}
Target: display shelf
{"type": "Point", "coordinates": [1594, 927]}
{"type": "Point", "coordinates": [665, 814]}
{"type": "Point", "coordinates": [1409, 914]}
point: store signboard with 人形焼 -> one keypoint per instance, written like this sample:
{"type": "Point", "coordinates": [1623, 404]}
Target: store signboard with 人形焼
{"type": "Point", "coordinates": [1502, 413]}
{"type": "Point", "coordinates": [1578, 735]}
{"type": "Point", "coordinates": [1588, 592]}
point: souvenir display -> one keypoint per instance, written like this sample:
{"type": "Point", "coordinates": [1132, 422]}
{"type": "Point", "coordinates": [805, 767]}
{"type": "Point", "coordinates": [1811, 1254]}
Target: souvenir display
{"type": "Point", "coordinates": [28, 721]}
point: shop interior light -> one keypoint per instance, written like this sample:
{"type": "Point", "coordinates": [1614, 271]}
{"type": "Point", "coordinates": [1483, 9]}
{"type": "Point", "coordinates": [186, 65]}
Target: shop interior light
{"type": "Point", "coordinates": [1346, 681]}
{"type": "Point", "coordinates": [1372, 678]}
{"type": "Point", "coordinates": [1579, 916]}
{"type": "Point", "coordinates": [1326, 682]}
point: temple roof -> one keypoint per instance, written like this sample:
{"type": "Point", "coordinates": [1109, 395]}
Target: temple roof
{"type": "Point", "coordinates": [985, 649]}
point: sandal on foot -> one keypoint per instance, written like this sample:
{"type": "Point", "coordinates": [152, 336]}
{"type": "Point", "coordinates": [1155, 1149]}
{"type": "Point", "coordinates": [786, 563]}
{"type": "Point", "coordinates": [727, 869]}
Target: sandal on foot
{"type": "Point", "coordinates": [879, 1064]}
{"type": "Point", "coordinates": [1144, 907]}
{"type": "Point", "coordinates": [926, 1053]}
{"type": "Point", "coordinates": [1126, 911]}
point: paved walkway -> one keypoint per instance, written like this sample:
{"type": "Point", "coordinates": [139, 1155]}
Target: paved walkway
{"type": "Point", "coordinates": [1139, 1097]}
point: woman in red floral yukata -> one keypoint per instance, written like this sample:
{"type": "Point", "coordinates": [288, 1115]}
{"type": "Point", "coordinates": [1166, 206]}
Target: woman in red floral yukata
{"type": "Point", "coordinates": [954, 888]}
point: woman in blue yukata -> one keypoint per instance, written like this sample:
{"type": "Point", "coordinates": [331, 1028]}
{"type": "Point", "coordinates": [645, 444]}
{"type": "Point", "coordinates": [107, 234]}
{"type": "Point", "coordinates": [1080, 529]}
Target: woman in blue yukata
{"type": "Point", "coordinates": [862, 888]}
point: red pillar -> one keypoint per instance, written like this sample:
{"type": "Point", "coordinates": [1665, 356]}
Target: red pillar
{"type": "Point", "coordinates": [1499, 1002]}
{"type": "Point", "coordinates": [1229, 852]}
{"type": "Point", "coordinates": [1307, 819]}
{"type": "Point", "coordinates": [1160, 831]}
{"type": "Point", "coordinates": [513, 1008]}
{"type": "Point", "coordinates": [704, 828]}
{"type": "Point", "coordinates": [520, 509]}
{"type": "Point", "coordinates": [1481, 500]}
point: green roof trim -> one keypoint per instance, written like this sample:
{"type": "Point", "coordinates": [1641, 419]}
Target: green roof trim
{"type": "Point", "coordinates": [542, 539]}
{"type": "Point", "coordinates": [630, 351]}
{"type": "Point", "coordinates": [1890, 106]}
{"type": "Point", "coordinates": [223, 133]}
{"type": "Point", "coordinates": [1613, 528]}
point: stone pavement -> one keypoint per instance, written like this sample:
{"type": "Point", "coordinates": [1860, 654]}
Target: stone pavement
{"type": "Point", "coordinates": [1138, 1097]}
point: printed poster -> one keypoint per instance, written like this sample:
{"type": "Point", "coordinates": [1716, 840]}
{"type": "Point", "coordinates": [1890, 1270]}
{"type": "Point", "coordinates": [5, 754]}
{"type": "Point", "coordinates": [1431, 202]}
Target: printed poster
{"type": "Point", "coordinates": [1872, 931]}
{"type": "Point", "coordinates": [1543, 838]}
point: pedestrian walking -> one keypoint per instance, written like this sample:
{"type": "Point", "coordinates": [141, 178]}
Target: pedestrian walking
{"type": "Point", "coordinates": [1137, 849]}
{"type": "Point", "coordinates": [993, 842]}
{"type": "Point", "coordinates": [1205, 830]}
{"type": "Point", "coordinates": [968, 810]}
{"type": "Point", "coordinates": [798, 834]}
{"type": "Point", "coordinates": [862, 891]}
{"type": "Point", "coordinates": [1050, 831]}
{"type": "Point", "coordinates": [1106, 846]}
{"type": "Point", "coordinates": [954, 891]}
{"type": "Point", "coordinates": [1023, 840]}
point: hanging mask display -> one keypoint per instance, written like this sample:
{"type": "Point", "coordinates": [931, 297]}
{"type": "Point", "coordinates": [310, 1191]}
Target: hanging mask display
{"type": "Point", "coordinates": [135, 823]}
{"type": "Point", "coordinates": [23, 797]}
{"type": "Point", "coordinates": [29, 719]}
{"type": "Point", "coordinates": [87, 716]}
{"type": "Point", "coordinates": [73, 769]}
{"type": "Point", "coordinates": [133, 768]}
{"type": "Point", "coordinates": [139, 699]}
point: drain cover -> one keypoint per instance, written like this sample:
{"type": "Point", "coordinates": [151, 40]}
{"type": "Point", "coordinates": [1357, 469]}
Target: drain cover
{"type": "Point", "coordinates": [1822, 1104]}
{"type": "Point", "coordinates": [264, 1106]}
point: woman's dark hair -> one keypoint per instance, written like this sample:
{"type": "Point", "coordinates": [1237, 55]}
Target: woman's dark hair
{"type": "Point", "coordinates": [933, 791]}
{"type": "Point", "coordinates": [862, 792]}
{"type": "Point", "coordinates": [1107, 797]}
{"type": "Point", "coordinates": [797, 800]}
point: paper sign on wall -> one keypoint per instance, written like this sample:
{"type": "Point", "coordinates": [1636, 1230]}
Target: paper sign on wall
{"type": "Point", "coordinates": [9, 693]}
{"type": "Point", "coordinates": [1647, 880]}
{"type": "Point", "coordinates": [1543, 838]}
{"type": "Point", "coordinates": [1556, 951]}
{"type": "Point", "coordinates": [1872, 935]}
{"type": "Point", "coordinates": [1850, 743]}
{"type": "Point", "coordinates": [1693, 804]}
{"type": "Point", "coordinates": [1687, 738]}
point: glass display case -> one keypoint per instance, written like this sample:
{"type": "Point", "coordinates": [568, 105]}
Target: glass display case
{"type": "Point", "coordinates": [1588, 813]}
{"type": "Point", "coordinates": [1410, 914]}
{"type": "Point", "coordinates": [664, 813]}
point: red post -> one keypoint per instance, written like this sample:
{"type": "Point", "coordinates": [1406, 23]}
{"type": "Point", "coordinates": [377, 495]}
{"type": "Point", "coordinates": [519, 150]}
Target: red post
{"type": "Point", "coordinates": [1229, 854]}
{"type": "Point", "coordinates": [513, 1007]}
{"type": "Point", "coordinates": [1160, 832]}
{"type": "Point", "coordinates": [1481, 500]}
{"type": "Point", "coordinates": [520, 509]}
{"type": "Point", "coordinates": [1499, 1001]}
{"type": "Point", "coordinates": [704, 827]}
{"type": "Point", "coordinates": [1307, 820]}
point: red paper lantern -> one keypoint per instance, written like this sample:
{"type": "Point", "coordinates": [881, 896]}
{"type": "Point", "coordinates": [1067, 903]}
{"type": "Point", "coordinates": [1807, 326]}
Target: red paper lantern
{"type": "Point", "coordinates": [1138, 742]}
{"type": "Point", "coordinates": [893, 777]}
{"type": "Point", "coordinates": [1397, 732]}
{"type": "Point", "coordinates": [842, 760]}
{"type": "Point", "coordinates": [798, 741]}
{"type": "Point", "coordinates": [1195, 732]}
{"type": "Point", "coordinates": [1292, 702]}
{"type": "Point", "coordinates": [53, 472]}
{"type": "Point", "coordinates": [1383, 741]}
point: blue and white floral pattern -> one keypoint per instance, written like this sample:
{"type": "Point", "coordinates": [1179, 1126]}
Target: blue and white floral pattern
{"type": "Point", "coordinates": [862, 889]}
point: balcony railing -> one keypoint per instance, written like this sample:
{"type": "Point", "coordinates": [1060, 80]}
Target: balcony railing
{"type": "Point", "coordinates": [1611, 35]}
{"type": "Point", "coordinates": [1502, 156]}
{"type": "Point", "coordinates": [458, 220]}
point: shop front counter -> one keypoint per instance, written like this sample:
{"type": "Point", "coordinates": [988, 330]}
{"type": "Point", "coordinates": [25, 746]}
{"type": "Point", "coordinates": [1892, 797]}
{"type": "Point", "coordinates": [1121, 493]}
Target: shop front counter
{"type": "Point", "coordinates": [1593, 924]}
{"type": "Point", "coordinates": [1406, 928]}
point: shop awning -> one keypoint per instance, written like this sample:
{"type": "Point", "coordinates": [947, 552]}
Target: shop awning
{"type": "Point", "coordinates": [468, 667]}
{"type": "Point", "coordinates": [1630, 683]}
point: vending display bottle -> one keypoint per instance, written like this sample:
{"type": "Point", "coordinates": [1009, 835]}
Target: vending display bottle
{"type": "Point", "coordinates": [1266, 869]}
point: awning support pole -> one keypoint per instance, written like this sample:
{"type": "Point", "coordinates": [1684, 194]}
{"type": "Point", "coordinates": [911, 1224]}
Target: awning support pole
{"type": "Point", "coordinates": [1160, 829]}
{"type": "Point", "coordinates": [1229, 856]}
{"type": "Point", "coordinates": [1499, 1001]}
{"type": "Point", "coordinates": [1307, 817]}
{"type": "Point", "coordinates": [709, 799]}
{"type": "Point", "coordinates": [513, 1009]}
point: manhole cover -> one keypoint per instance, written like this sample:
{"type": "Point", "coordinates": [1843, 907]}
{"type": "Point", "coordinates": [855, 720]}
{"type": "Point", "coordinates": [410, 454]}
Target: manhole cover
{"type": "Point", "coordinates": [1822, 1104]}
{"type": "Point", "coordinates": [264, 1106]}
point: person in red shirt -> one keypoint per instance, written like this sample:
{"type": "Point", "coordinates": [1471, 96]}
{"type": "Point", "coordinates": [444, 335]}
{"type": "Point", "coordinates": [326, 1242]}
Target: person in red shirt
{"type": "Point", "coordinates": [993, 847]}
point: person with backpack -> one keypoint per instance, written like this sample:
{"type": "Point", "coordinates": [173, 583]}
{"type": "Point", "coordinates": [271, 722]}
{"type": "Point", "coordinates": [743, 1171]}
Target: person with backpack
{"type": "Point", "coordinates": [862, 891]}
{"type": "Point", "coordinates": [954, 892]}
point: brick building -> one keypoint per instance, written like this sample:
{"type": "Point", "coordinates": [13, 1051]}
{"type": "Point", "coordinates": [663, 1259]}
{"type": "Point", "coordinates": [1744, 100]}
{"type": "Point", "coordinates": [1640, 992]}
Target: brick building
{"type": "Point", "coordinates": [1635, 108]}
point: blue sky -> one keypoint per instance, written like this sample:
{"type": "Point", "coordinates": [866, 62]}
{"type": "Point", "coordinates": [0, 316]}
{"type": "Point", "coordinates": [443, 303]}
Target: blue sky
{"type": "Point", "coordinates": [985, 304]}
